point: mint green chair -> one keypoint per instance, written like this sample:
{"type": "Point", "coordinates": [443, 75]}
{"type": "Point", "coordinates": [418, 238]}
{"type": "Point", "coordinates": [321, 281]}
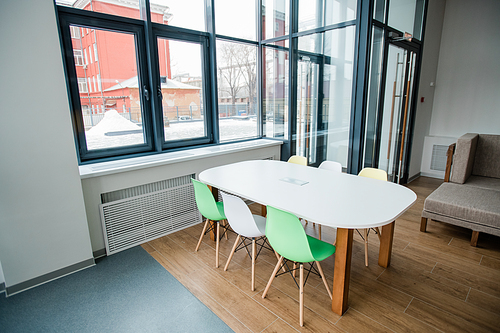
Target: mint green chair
{"type": "Point", "coordinates": [288, 238]}
{"type": "Point", "coordinates": [212, 210]}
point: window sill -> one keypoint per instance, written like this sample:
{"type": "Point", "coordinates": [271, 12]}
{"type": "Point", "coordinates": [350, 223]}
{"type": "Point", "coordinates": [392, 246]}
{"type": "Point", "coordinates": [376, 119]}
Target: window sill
{"type": "Point", "coordinates": [136, 163]}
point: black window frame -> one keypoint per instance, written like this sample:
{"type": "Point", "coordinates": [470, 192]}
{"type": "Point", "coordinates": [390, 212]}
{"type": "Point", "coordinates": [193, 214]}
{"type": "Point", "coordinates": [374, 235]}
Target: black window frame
{"type": "Point", "coordinates": [148, 76]}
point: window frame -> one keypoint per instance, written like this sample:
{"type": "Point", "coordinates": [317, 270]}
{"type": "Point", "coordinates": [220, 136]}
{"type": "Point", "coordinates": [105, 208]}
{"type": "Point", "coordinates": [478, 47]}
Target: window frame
{"type": "Point", "coordinates": [148, 74]}
{"type": "Point", "coordinates": [70, 16]}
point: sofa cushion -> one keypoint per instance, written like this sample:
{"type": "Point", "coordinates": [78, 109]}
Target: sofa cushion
{"type": "Point", "coordinates": [484, 182]}
{"type": "Point", "coordinates": [469, 203]}
{"type": "Point", "coordinates": [487, 158]}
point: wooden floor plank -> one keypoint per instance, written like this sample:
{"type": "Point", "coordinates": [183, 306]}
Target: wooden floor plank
{"type": "Point", "coordinates": [358, 322]}
{"type": "Point", "coordinates": [484, 301]}
{"type": "Point", "coordinates": [442, 320]}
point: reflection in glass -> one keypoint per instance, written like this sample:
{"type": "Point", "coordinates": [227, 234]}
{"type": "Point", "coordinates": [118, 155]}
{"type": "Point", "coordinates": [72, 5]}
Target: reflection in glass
{"type": "Point", "coordinates": [379, 10]}
{"type": "Point", "coordinates": [237, 90]}
{"type": "Point", "coordinates": [374, 83]}
{"type": "Point", "coordinates": [274, 18]}
{"type": "Point", "coordinates": [131, 9]}
{"type": "Point", "coordinates": [182, 90]}
{"type": "Point", "coordinates": [275, 99]}
{"type": "Point", "coordinates": [236, 18]}
{"type": "Point", "coordinates": [320, 13]}
{"type": "Point", "coordinates": [109, 88]}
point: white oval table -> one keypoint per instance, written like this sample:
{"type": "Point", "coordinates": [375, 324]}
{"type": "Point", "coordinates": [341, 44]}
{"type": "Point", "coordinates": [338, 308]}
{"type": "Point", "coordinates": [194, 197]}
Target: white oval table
{"type": "Point", "coordinates": [338, 200]}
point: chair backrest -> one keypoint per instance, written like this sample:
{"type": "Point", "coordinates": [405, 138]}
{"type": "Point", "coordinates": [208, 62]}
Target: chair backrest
{"type": "Point", "coordinates": [287, 236]}
{"type": "Point", "coordinates": [239, 216]}
{"type": "Point", "coordinates": [296, 159]}
{"type": "Point", "coordinates": [205, 201]}
{"type": "Point", "coordinates": [331, 165]}
{"type": "Point", "coordinates": [373, 173]}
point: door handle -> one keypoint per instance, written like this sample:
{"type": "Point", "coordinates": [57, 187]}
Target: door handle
{"type": "Point", "coordinates": [146, 93]}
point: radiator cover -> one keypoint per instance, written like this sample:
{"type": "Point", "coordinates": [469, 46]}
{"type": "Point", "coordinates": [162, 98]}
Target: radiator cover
{"type": "Point", "coordinates": [162, 208]}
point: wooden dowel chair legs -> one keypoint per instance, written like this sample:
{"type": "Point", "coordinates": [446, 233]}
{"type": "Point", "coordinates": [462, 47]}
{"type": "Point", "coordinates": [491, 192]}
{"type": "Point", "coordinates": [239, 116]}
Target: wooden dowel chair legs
{"type": "Point", "coordinates": [202, 234]}
{"type": "Point", "coordinates": [301, 295]}
{"type": "Point", "coordinates": [276, 268]}
{"type": "Point", "coordinates": [232, 252]}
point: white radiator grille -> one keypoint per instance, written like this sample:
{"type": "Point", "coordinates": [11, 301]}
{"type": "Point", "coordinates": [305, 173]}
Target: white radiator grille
{"type": "Point", "coordinates": [137, 219]}
{"type": "Point", "coordinates": [438, 158]}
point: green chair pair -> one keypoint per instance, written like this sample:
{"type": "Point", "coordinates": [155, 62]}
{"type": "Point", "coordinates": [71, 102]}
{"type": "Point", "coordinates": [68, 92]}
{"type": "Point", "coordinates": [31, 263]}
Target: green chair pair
{"type": "Point", "coordinates": [212, 211]}
{"type": "Point", "coordinates": [288, 238]}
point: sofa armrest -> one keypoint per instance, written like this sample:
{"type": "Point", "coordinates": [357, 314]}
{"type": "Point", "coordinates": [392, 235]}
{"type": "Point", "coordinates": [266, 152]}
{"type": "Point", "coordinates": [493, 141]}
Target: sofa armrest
{"type": "Point", "coordinates": [449, 161]}
{"type": "Point", "coordinates": [463, 160]}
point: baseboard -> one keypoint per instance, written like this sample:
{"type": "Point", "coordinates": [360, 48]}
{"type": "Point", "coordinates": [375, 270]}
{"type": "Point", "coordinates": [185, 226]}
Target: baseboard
{"type": "Point", "coordinates": [2, 287]}
{"type": "Point", "coordinates": [412, 178]}
{"type": "Point", "coordinates": [99, 253]}
{"type": "Point", "coordinates": [17, 288]}
{"type": "Point", "coordinates": [431, 175]}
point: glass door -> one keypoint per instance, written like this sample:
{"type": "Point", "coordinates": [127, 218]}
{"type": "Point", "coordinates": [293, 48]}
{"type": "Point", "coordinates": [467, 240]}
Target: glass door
{"type": "Point", "coordinates": [396, 111]}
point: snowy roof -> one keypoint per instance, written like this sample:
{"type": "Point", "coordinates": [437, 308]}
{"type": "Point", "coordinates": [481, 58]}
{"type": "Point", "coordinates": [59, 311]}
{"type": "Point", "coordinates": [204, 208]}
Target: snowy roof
{"type": "Point", "coordinates": [133, 83]}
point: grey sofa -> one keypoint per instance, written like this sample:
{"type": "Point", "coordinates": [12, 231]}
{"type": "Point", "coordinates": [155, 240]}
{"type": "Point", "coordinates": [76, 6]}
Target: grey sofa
{"type": "Point", "coordinates": [470, 198]}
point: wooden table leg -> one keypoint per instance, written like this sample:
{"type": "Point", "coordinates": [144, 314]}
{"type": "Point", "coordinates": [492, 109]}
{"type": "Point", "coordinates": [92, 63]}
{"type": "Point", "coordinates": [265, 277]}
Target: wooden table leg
{"type": "Point", "coordinates": [384, 255]}
{"type": "Point", "coordinates": [213, 224]}
{"type": "Point", "coordinates": [263, 210]}
{"type": "Point", "coordinates": [342, 270]}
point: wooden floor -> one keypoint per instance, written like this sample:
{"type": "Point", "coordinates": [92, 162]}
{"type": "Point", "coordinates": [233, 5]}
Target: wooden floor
{"type": "Point", "coordinates": [436, 281]}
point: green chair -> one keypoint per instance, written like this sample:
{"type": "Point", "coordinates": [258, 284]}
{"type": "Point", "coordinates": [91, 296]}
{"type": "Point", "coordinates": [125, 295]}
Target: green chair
{"type": "Point", "coordinates": [213, 211]}
{"type": "Point", "coordinates": [287, 237]}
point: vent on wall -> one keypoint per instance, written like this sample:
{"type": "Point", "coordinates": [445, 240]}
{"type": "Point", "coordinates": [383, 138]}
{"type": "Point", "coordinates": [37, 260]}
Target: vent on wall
{"type": "Point", "coordinates": [139, 214]}
{"type": "Point", "coordinates": [438, 158]}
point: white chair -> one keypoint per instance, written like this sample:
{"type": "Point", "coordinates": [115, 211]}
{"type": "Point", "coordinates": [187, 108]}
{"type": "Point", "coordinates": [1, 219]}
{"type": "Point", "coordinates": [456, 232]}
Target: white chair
{"type": "Point", "coordinates": [248, 226]}
{"type": "Point", "coordinates": [332, 166]}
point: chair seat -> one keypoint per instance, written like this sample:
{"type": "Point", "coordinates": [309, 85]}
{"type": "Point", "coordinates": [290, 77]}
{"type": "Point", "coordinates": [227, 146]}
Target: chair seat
{"type": "Point", "coordinates": [320, 249]}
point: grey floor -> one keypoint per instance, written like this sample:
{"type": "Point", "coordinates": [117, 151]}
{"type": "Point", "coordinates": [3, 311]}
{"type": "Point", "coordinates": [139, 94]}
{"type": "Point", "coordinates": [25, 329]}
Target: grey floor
{"type": "Point", "coordinates": [126, 292]}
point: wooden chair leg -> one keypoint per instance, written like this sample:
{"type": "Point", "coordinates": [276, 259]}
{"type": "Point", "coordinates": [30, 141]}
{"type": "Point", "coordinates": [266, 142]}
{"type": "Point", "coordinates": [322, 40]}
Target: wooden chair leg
{"type": "Point", "coordinates": [378, 233]}
{"type": "Point", "coordinates": [217, 246]}
{"type": "Point", "coordinates": [294, 269]}
{"type": "Point", "coordinates": [202, 234]}
{"type": "Point", "coordinates": [278, 257]}
{"type": "Point", "coordinates": [232, 252]}
{"type": "Point", "coordinates": [276, 268]}
{"type": "Point", "coordinates": [319, 230]}
{"type": "Point", "coordinates": [324, 279]}
{"type": "Point", "coordinates": [365, 235]}
{"type": "Point", "coordinates": [423, 224]}
{"type": "Point", "coordinates": [301, 295]}
{"type": "Point", "coordinates": [226, 224]}
{"type": "Point", "coordinates": [474, 239]}
{"type": "Point", "coordinates": [253, 264]}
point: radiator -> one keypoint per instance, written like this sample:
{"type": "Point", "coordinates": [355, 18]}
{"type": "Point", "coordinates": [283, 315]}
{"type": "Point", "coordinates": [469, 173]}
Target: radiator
{"type": "Point", "coordinates": [434, 156]}
{"type": "Point", "coordinates": [142, 213]}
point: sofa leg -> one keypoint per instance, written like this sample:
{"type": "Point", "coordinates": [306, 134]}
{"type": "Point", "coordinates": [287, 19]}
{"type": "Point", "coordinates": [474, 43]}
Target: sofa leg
{"type": "Point", "coordinates": [423, 224]}
{"type": "Point", "coordinates": [475, 236]}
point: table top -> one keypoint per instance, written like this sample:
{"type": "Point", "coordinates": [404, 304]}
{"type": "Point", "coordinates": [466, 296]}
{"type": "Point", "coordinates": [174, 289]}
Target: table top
{"type": "Point", "coordinates": [322, 196]}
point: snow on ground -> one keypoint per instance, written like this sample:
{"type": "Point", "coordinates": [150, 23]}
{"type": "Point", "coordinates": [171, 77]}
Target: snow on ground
{"type": "Point", "coordinates": [106, 134]}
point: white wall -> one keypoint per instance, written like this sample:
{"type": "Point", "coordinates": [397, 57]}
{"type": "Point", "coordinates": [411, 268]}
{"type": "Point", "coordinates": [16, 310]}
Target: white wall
{"type": "Point", "coordinates": [467, 96]}
{"type": "Point", "coordinates": [430, 59]}
{"type": "Point", "coordinates": [43, 225]}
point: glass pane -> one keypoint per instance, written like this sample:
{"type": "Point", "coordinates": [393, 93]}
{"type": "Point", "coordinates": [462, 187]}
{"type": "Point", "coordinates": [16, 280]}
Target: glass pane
{"type": "Point", "coordinates": [109, 87]}
{"type": "Point", "coordinates": [307, 108]}
{"type": "Point", "coordinates": [237, 90]}
{"type": "Point", "coordinates": [181, 78]}
{"type": "Point", "coordinates": [320, 13]}
{"type": "Point", "coordinates": [406, 16]}
{"type": "Point", "coordinates": [189, 14]}
{"type": "Point", "coordinates": [379, 10]}
{"type": "Point", "coordinates": [374, 83]}
{"type": "Point", "coordinates": [337, 91]}
{"type": "Point", "coordinates": [236, 18]}
{"type": "Point", "coordinates": [274, 18]}
{"type": "Point", "coordinates": [127, 9]}
{"type": "Point", "coordinates": [275, 99]}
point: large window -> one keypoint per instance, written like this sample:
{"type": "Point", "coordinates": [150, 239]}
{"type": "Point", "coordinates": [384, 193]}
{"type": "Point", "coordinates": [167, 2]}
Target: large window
{"type": "Point", "coordinates": [129, 96]}
{"type": "Point", "coordinates": [149, 76]}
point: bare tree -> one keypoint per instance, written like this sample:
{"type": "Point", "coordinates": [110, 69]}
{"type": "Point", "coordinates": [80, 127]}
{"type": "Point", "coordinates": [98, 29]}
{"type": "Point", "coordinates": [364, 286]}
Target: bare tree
{"type": "Point", "coordinates": [248, 62]}
{"type": "Point", "coordinates": [229, 70]}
